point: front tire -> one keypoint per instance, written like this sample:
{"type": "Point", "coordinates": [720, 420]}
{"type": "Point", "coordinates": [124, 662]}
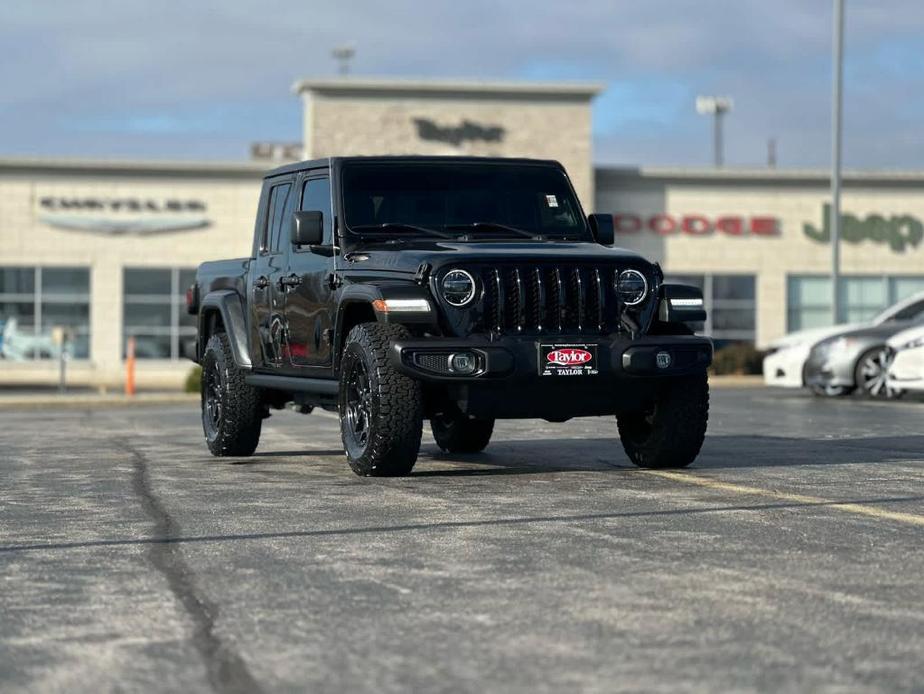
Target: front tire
{"type": "Point", "coordinates": [381, 409]}
{"type": "Point", "coordinates": [670, 433]}
{"type": "Point", "coordinates": [456, 433]}
{"type": "Point", "coordinates": [232, 410]}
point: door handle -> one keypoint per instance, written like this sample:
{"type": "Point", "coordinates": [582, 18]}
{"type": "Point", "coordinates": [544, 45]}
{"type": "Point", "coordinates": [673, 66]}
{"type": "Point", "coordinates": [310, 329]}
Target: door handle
{"type": "Point", "coordinates": [262, 282]}
{"type": "Point", "coordinates": [292, 280]}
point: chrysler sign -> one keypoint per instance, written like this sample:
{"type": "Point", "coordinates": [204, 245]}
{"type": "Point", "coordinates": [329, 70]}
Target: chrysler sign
{"type": "Point", "coordinates": [126, 216]}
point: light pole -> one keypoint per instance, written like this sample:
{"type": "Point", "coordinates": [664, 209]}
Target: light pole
{"type": "Point", "coordinates": [836, 122]}
{"type": "Point", "coordinates": [343, 55]}
{"type": "Point", "coordinates": [716, 106]}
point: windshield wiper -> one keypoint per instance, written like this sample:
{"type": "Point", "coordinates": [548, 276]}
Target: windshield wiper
{"type": "Point", "coordinates": [476, 226]}
{"type": "Point", "coordinates": [399, 226]}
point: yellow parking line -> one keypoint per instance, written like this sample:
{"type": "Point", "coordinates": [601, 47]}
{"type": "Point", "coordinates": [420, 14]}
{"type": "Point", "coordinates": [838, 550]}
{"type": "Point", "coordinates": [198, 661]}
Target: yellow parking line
{"type": "Point", "coordinates": [859, 509]}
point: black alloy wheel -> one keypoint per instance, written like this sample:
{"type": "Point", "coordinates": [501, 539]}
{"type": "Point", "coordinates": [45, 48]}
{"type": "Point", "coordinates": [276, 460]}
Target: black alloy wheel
{"type": "Point", "coordinates": [212, 394]}
{"type": "Point", "coordinates": [358, 406]}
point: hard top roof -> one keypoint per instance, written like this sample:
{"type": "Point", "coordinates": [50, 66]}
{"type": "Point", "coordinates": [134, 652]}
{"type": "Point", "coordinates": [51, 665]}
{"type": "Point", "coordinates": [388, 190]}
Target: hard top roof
{"type": "Point", "coordinates": [410, 158]}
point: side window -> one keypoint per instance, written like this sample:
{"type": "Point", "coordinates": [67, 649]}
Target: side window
{"type": "Point", "coordinates": [275, 217]}
{"type": "Point", "coordinates": [913, 312]}
{"type": "Point", "coordinates": [316, 196]}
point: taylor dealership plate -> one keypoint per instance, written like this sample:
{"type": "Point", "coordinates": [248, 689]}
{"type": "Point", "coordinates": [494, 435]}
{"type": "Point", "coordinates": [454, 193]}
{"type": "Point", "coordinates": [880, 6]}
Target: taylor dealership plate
{"type": "Point", "coordinates": [567, 360]}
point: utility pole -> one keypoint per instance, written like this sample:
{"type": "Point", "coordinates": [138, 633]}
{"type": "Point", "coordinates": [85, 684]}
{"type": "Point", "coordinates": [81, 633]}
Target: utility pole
{"type": "Point", "coordinates": [836, 140]}
{"type": "Point", "coordinates": [343, 55]}
{"type": "Point", "coordinates": [717, 107]}
{"type": "Point", "coordinates": [771, 153]}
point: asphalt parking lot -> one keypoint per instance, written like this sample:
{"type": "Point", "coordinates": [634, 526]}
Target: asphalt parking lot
{"type": "Point", "coordinates": [788, 558]}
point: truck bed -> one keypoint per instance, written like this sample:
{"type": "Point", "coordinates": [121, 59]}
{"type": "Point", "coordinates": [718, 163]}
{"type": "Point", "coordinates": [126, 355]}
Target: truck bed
{"type": "Point", "coordinates": [223, 274]}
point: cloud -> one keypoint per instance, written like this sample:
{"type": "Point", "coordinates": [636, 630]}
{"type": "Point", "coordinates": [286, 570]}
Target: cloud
{"type": "Point", "coordinates": [203, 79]}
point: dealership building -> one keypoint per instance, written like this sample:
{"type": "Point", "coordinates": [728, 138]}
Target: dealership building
{"type": "Point", "coordinates": [93, 253]}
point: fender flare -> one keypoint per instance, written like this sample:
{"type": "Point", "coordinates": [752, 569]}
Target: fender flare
{"type": "Point", "coordinates": [229, 306]}
{"type": "Point", "coordinates": [365, 294]}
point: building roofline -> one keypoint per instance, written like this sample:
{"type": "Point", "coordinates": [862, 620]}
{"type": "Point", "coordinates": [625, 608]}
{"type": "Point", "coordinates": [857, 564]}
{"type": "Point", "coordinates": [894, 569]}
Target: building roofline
{"type": "Point", "coordinates": [134, 167]}
{"type": "Point", "coordinates": [754, 175]}
{"type": "Point", "coordinates": [375, 86]}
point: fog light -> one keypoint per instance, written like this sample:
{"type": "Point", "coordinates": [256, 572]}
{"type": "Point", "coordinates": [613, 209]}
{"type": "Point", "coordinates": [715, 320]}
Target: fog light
{"type": "Point", "coordinates": [462, 363]}
{"type": "Point", "coordinates": [663, 360]}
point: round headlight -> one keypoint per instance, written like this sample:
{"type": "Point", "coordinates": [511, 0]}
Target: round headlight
{"type": "Point", "coordinates": [458, 287]}
{"type": "Point", "coordinates": [631, 287]}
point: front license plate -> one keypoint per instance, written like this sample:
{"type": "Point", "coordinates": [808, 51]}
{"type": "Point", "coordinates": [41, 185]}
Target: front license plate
{"type": "Point", "coordinates": [567, 360]}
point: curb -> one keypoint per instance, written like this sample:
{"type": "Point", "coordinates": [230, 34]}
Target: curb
{"type": "Point", "coordinates": [83, 402]}
{"type": "Point", "coordinates": [736, 381]}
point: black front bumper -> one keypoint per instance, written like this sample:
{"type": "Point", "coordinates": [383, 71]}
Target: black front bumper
{"type": "Point", "coordinates": [508, 382]}
{"type": "Point", "coordinates": [517, 358]}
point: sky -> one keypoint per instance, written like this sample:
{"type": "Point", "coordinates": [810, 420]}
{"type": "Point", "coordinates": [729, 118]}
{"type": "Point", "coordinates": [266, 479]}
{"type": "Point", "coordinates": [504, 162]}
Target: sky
{"type": "Point", "coordinates": [202, 79]}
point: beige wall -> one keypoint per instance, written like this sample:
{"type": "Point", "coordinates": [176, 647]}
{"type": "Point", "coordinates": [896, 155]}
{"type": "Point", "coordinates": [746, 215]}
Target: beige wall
{"type": "Point", "coordinates": [26, 241]}
{"type": "Point", "coordinates": [543, 127]}
{"type": "Point", "coordinates": [770, 258]}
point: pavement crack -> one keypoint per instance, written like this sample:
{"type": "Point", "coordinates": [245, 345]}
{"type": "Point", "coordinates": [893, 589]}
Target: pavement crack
{"type": "Point", "coordinates": [227, 671]}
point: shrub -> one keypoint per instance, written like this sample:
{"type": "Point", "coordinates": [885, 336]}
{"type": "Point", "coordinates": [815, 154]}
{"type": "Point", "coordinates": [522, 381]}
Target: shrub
{"type": "Point", "coordinates": [739, 359]}
{"type": "Point", "coordinates": [194, 380]}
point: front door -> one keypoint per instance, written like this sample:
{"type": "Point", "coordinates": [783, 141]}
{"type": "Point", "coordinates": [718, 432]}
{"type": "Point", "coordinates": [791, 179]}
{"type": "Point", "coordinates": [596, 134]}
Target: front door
{"type": "Point", "coordinates": [309, 317]}
{"type": "Point", "coordinates": [267, 294]}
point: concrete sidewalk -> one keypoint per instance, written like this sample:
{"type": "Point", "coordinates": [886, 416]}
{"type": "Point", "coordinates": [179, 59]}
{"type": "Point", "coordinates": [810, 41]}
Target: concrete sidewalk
{"type": "Point", "coordinates": [42, 400]}
{"type": "Point", "coordinates": [35, 401]}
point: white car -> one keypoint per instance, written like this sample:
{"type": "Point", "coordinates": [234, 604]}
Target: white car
{"type": "Point", "coordinates": [906, 367]}
{"type": "Point", "coordinates": [16, 345]}
{"type": "Point", "coordinates": [785, 362]}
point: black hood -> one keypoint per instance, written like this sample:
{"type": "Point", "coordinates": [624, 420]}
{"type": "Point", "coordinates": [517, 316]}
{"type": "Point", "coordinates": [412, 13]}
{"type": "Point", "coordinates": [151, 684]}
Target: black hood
{"type": "Point", "coordinates": [407, 256]}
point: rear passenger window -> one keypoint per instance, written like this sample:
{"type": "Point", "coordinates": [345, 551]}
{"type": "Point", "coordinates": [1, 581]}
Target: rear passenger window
{"type": "Point", "coordinates": [278, 207]}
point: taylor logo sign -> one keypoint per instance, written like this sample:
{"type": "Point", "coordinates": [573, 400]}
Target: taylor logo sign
{"type": "Point", "coordinates": [664, 224]}
{"type": "Point", "coordinates": [121, 216]}
{"type": "Point", "coordinates": [898, 231]}
{"type": "Point", "coordinates": [457, 134]}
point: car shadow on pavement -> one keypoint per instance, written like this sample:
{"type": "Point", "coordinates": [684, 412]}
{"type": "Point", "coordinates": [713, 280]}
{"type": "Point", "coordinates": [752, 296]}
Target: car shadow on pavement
{"type": "Point", "coordinates": [545, 456]}
{"type": "Point", "coordinates": [602, 454]}
{"type": "Point", "coordinates": [258, 458]}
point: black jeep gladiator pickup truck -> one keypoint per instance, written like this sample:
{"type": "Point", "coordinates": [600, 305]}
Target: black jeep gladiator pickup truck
{"type": "Point", "coordinates": [459, 290]}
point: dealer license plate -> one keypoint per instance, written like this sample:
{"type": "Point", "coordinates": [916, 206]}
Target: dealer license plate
{"type": "Point", "coordinates": [567, 360]}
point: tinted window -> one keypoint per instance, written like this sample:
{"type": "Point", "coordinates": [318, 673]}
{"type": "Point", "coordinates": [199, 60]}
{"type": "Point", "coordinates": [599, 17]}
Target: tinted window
{"type": "Point", "coordinates": [142, 281]}
{"type": "Point", "coordinates": [912, 312]}
{"type": "Point", "coordinates": [316, 197]}
{"type": "Point", "coordinates": [533, 198]}
{"type": "Point", "coordinates": [277, 211]}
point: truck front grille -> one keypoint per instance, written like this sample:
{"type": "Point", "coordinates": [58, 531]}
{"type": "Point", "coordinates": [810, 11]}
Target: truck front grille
{"type": "Point", "coordinates": [539, 299]}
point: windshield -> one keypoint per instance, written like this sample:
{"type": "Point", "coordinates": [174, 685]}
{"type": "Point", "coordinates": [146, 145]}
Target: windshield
{"type": "Point", "coordinates": [483, 200]}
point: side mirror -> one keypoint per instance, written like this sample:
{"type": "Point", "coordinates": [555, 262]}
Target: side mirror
{"type": "Point", "coordinates": [602, 227]}
{"type": "Point", "coordinates": [307, 228]}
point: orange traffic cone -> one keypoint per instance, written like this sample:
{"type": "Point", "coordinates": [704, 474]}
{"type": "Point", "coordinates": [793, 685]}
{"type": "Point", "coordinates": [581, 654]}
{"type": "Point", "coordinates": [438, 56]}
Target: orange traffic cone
{"type": "Point", "coordinates": [130, 367]}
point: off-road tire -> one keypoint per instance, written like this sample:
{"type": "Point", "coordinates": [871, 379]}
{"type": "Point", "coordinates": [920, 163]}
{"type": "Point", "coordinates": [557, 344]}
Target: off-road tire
{"type": "Point", "coordinates": [394, 411]}
{"type": "Point", "coordinates": [669, 434]}
{"type": "Point", "coordinates": [237, 431]}
{"type": "Point", "coordinates": [456, 433]}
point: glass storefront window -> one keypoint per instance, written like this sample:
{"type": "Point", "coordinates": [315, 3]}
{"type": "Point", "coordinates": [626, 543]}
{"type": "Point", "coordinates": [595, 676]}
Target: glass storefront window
{"type": "Point", "coordinates": [731, 305]}
{"type": "Point", "coordinates": [38, 305]}
{"type": "Point", "coordinates": [154, 311]}
{"type": "Point", "coordinates": [861, 298]}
